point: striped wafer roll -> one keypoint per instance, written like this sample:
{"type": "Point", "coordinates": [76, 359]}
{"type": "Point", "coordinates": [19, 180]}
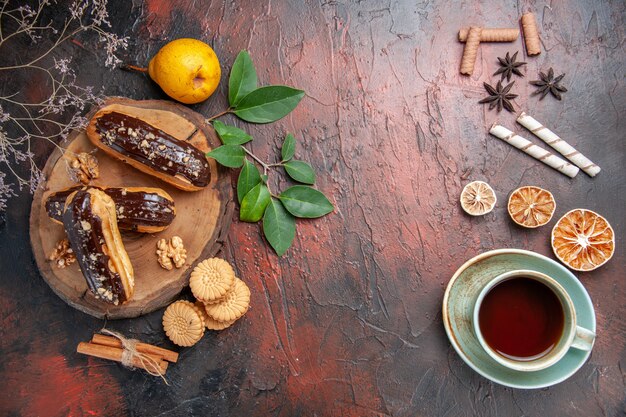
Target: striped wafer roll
{"type": "Point", "coordinates": [559, 144]}
{"type": "Point", "coordinates": [533, 150]}
{"type": "Point", "coordinates": [492, 34]}
{"type": "Point", "coordinates": [531, 34]}
{"type": "Point", "coordinates": [471, 50]}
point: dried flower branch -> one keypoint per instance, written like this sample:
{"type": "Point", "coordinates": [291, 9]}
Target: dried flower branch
{"type": "Point", "coordinates": [60, 111]}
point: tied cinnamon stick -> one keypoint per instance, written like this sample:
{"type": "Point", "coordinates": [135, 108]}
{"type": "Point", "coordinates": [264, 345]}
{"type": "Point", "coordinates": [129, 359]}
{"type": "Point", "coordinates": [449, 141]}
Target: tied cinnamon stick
{"type": "Point", "coordinates": [168, 355]}
{"type": "Point", "coordinates": [129, 352]}
{"type": "Point", "coordinates": [116, 354]}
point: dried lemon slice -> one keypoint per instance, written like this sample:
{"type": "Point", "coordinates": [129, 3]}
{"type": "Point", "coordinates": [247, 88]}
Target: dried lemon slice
{"type": "Point", "coordinates": [583, 240]}
{"type": "Point", "coordinates": [478, 198]}
{"type": "Point", "coordinates": [531, 206]}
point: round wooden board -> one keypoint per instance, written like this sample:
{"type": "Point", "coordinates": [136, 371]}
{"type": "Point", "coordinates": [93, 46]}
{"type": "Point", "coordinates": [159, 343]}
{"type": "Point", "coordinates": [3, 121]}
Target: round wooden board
{"type": "Point", "coordinates": [202, 217]}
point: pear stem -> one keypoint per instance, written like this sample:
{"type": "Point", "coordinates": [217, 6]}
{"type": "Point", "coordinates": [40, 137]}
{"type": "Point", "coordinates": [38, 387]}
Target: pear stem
{"type": "Point", "coordinates": [129, 67]}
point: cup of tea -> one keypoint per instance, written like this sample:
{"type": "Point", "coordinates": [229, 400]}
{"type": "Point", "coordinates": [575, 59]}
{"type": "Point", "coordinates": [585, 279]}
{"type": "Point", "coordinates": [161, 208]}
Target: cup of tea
{"type": "Point", "coordinates": [526, 321]}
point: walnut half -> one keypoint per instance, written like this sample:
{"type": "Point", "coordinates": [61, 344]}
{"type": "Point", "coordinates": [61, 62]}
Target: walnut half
{"type": "Point", "coordinates": [83, 168]}
{"type": "Point", "coordinates": [63, 255]}
{"type": "Point", "coordinates": [171, 253]}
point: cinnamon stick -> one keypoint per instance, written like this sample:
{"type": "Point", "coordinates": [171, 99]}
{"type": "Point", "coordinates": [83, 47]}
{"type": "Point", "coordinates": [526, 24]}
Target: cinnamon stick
{"type": "Point", "coordinates": [146, 348]}
{"type": "Point", "coordinates": [115, 354]}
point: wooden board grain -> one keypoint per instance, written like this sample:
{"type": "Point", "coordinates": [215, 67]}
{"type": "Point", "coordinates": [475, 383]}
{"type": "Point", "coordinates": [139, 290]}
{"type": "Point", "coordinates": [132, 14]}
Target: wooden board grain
{"type": "Point", "coordinates": [202, 217]}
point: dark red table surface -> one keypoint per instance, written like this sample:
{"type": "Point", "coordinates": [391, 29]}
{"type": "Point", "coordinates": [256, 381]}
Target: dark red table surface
{"type": "Point", "coordinates": [348, 322]}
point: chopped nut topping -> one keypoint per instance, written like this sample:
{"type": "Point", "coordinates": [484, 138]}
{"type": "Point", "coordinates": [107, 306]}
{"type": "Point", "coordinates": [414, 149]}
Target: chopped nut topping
{"type": "Point", "coordinates": [83, 168]}
{"type": "Point", "coordinates": [144, 143]}
{"type": "Point", "coordinates": [150, 136]}
{"type": "Point", "coordinates": [171, 253]}
{"type": "Point", "coordinates": [85, 225]}
{"type": "Point", "coordinates": [63, 255]}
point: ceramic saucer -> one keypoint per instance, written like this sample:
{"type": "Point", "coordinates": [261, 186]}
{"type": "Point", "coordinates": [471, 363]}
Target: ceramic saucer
{"type": "Point", "coordinates": [458, 306]}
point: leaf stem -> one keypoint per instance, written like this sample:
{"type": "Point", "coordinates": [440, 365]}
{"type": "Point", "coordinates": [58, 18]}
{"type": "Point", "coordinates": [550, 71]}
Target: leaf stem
{"type": "Point", "coordinates": [266, 167]}
{"type": "Point", "coordinates": [228, 110]}
{"type": "Point", "coordinates": [253, 156]}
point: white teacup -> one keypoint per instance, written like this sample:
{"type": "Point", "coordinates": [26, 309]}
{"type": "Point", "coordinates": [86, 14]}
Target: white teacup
{"type": "Point", "coordinates": [573, 336]}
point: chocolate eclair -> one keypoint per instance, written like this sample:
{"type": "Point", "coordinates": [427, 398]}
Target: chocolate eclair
{"type": "Point", "coordinates": [149, 149]}
{"type": "Point", "coordinates": [91, 226]}
{"type": "Point", "coordinates": [140, 209]}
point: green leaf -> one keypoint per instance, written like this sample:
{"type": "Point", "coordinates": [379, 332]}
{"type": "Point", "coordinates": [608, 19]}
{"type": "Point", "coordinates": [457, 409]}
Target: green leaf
{"type": "Point", "coordinates": [304, 201]}
{"type": "Point", "coordinates": [264, 178]}
{"type": "Point", "coordinates": [268, 104]}
{"type": "Point", "coordinates": [279, 227]}
{"type": "Point", "coordinates": [248, 178]}
{"type": "Point", "coordinates": [228, 155]}
{"type": "Point", "coordinates": [289, 147]}
{"type": "Point", "coordinates": [254, 203]}
{"type": "Point", "coordinates": [242, 79]}
{"type": "Point", "coordinates": [231, 135]}
{"type": "Point", "coordinates": [300, 171]}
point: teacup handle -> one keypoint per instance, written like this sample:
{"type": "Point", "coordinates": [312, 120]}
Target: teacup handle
{"type": "Point", "coordinates": [583, 339]}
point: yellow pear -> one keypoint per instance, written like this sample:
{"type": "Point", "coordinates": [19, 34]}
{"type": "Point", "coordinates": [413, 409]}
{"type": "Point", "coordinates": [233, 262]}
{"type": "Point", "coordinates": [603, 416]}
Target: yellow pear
{"type": "Point", "coordinates": [186, 69]}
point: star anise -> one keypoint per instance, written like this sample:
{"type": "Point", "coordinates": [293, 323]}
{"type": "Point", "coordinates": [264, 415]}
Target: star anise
{"type": "Point", "coordinates": [508, 67]}
{"type": "Point", "coordinates": [549, 84]}
{"type": "Point", "coordinates": [499, 96]}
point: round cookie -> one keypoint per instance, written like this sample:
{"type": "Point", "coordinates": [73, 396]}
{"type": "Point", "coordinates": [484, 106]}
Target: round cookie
{"type": "Point", "coordinates": [183, 323]}
{"type": "Point", "coordinates": [210, 322]}
{"type": "Point", "coordinates": [233, 305]}
{"type": "Point", "coordinates": [211, 279]}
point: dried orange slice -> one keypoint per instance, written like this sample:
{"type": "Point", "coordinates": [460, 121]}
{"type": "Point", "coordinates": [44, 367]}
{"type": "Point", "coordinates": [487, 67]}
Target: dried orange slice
{"type": "Point", "coordinates": [478, 198]}
{"type": "Point", "coordinates": [531, 206]}
{"type": "Point", "coordinates": [583, 240]}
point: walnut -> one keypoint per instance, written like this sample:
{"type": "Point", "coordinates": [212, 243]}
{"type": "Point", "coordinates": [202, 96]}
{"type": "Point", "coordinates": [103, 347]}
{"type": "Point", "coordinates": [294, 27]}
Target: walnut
{"type": "Point", "coordinates": [63, 255]}
{"type": "Point", "coordinates": [83, 168]}
{"type": "Point", "coordinates": [171, 252]}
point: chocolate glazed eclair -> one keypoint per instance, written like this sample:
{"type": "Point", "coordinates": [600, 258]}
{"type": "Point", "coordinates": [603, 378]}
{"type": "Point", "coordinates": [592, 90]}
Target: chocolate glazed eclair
{"type": "Point", "coordinates": [91, 227]}
{"type": "Point", "coordinates": [140, 209]}
{"type": "Point", "coordinates": [149, 149]}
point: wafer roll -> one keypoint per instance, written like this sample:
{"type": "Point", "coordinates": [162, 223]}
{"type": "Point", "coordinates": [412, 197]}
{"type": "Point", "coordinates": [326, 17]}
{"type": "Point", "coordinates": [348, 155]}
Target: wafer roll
{"type": "Point", "coordinates": [470, 51]}
{"type": "Point", "coordinates": [492, 34]}
{"type": "Point", "coordinates": [531, 34]}
{"type": "Point", "coordinates": [533, 150]}
{"type": "Point", "coordinates": [559, 144]}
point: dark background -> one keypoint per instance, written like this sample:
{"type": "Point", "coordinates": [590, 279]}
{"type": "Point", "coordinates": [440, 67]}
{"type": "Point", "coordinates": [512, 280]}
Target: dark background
{"type": "Point", "coordinates": [348, 322]}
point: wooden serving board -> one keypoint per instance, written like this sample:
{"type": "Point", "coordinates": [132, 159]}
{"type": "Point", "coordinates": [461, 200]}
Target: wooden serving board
{"type": "Point", "coordinates": [202, 217]}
